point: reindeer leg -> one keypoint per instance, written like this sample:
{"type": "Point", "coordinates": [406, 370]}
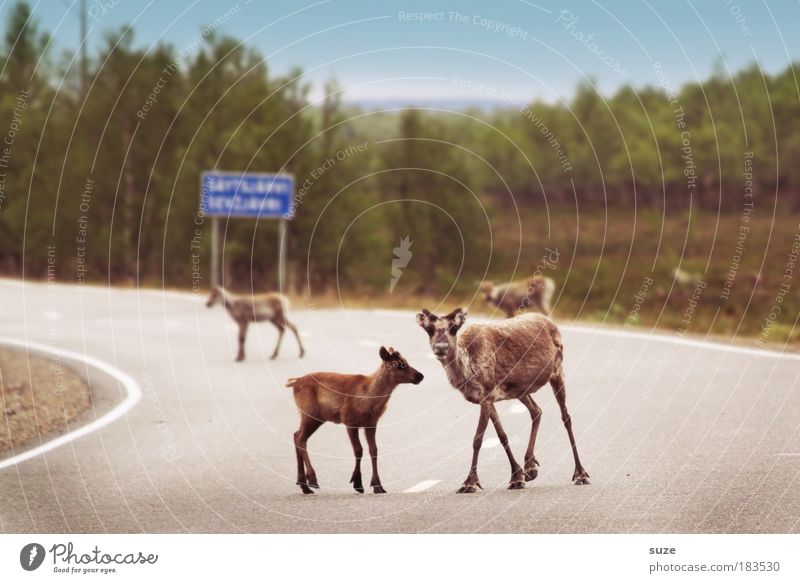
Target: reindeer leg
{"type": "Point", "coordinates": [375, 483]}
{"type": "Point", "coordinates": [306, 477]}
{"type": "Point", "coordinates": [358, 485]}
{"type": "Point", "coordinates": [242, 338]}
{"type": "Point", "coordinates": [539, 303]}
{"type": "Point", "coordinates": [580, 476]}
{"type": "Point", "coordinates": [531, 465]}
{"type": "Point", "coordinates": [472, 483]}
{"type": "Point", "coordinates": [301, 467]}
{"type": "Point", "coordinates": [293, 328]}
{"type": "Point", "coordinates": [517, 481]}
{"type": "Point", "coordinates": [278, 343]}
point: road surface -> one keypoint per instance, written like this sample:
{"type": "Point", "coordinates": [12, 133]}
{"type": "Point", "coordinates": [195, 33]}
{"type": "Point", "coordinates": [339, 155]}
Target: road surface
{"type": "Point", "coordinates": [677, 436]}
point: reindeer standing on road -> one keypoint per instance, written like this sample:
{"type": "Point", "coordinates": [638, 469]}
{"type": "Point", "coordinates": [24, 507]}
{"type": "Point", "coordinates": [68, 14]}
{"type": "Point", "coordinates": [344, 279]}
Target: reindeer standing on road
{"type": "Point", "coordinates": [243, 309]}
{"type": "Point", "coordinates": [511, 359]}
{"type": "Point", "coordinates": [358, 401]}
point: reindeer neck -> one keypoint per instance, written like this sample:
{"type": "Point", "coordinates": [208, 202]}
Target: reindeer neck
{"type": "Point", "coordinates": [458, 367]}
{"type": "Point", "coordinates": [227, 298]}
{"type": "Point", "coordinates": [380, 383]}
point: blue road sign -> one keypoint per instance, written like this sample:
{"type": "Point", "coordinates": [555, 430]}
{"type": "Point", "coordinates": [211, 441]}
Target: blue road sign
{"type": "Point", "coordinates": [237, 194]}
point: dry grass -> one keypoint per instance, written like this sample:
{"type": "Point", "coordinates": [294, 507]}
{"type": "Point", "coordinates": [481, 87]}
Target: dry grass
{"type": "Point", "coordinates": [606, 254]}
{"type": "Point", "coordinates": [37, 397]}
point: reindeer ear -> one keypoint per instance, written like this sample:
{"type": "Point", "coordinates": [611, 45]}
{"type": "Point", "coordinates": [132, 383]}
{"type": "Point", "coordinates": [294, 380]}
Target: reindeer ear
{"type": "Point", "coordinates": [422, 318]}
{"type": "Point", "coordinates": [385, 354]}
{"type": "Point", "coordinates": [458, 316]}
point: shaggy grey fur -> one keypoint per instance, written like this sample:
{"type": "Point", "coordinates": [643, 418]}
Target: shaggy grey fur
{"type": "Point", "coordinates": [511, 359]}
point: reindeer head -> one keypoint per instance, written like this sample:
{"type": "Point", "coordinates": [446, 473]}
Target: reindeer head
{"type": "Point", "coordinates": [215, 297]}
{"type": "Point", "coordinates": [486, 288]}
{"type": "Point", "coordinates": [442, 330]}
{"type": "Point", "coordinates": [398, 368]}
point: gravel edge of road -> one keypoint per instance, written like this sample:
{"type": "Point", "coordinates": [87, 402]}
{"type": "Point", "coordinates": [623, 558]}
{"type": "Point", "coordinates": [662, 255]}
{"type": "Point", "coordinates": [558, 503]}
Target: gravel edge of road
{"type": "Point", "coordinates": [92, 393]}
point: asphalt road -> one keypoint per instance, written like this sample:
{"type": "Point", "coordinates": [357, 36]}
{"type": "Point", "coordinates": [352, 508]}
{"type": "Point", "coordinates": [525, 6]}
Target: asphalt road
{"type": "Point", "coordinates": [677, 437]}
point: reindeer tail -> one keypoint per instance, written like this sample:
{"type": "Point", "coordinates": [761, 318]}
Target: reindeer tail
{"type": "Point", "coordinates": [290, 383]}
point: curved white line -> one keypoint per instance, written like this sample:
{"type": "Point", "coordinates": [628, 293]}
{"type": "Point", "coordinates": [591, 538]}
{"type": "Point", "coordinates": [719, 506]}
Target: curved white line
{"type": "Point", "coordinates": [654, 335]}
{"type": "Point", "coordinates": [705, 344]}
{"type": "Point", "coordinates": [134, 394]}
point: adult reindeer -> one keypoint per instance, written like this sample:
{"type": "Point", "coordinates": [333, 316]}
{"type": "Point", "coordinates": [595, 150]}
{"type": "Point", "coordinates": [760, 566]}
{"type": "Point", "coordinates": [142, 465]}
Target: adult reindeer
{"type": "Point", "coordinates": [268, 307]}
{"type": "Point", "coordinates": [517, 297]}
{"type": "Point", "coordinates": [511, 359]}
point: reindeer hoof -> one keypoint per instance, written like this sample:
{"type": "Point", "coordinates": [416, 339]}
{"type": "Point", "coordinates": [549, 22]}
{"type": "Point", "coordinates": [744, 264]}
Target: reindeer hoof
{"type": "Point", "coordinates": [531, 474]}
{"type": "Point", "coordinates": [239, 358]}
{"type": "Point", "coordinates": [357, 485]}
{"type": "Point", "coordinates": [471, 485]}
{"type": "Point", "coordinates": [302, 354]}
{"type": "Point", "coordinates": [517, 485]}
{"type": "Point", "coordinates": [580, 478]}
{"type": "Point", "coordinates": [304, 487]}
{"type": "Point", "coordinates": [378, 490]}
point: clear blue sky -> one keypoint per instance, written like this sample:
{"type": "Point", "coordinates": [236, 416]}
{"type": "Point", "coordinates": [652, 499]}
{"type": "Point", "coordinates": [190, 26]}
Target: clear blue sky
{"type": "Point", "coordinates": [378, 52]}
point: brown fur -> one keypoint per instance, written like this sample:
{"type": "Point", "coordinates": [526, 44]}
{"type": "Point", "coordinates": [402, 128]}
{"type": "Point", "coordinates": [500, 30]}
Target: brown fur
{"type": "Point", "coordinates": [504, 360]}
{"type": "Point", "coordinates": [518, 297]}
{"type": "Point", "coordinates": [357, 401]}
{"type": "Point", "coordinates": [266, 307]}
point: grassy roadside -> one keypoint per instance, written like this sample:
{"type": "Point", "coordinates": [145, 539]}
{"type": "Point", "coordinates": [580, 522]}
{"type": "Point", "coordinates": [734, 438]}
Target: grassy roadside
{"type": "Point", "coordinates": [703, 274]}
{"type": "Point", "coordinates": [561, 315]}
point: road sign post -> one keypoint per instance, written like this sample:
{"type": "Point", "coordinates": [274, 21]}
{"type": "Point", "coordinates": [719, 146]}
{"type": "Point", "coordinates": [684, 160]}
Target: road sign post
{"type": "Point", "coordinates": [282, 254]}
{"type": "Point", "coordinates": [246, 195]}
{"type": "Point", "coordinates": [214, 251]}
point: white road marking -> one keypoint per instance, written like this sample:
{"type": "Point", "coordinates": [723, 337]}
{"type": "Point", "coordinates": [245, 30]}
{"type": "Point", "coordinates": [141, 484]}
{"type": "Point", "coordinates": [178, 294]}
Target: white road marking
{"type": "Point", "coordinates": [683, 342]}
{"type": "Point", "coordinates": [134, 392]}
{"type": "Point", "coordinates": [422, 486]}
{"type": "Point", "coordinates": [369, 344]}
{"type": "Point", "coordinates": [51, 315]}
{"type": "Point", "coordinates": [490, 443]}
{"type": "Point", "coordinates": [785, 454]}
{"type": "Point", "coordinates": [132, 389]}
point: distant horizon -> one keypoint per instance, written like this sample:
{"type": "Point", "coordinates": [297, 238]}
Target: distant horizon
{"type": "Point", "coordinates": [487, 103]}
{"type": "Point", "coordinates": [411, 51]}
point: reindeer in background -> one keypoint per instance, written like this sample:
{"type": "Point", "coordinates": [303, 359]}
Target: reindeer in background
{"type": "Point", "coordinates": [517, 296]}
{"type": "Point", "coordinates": [271, 307]}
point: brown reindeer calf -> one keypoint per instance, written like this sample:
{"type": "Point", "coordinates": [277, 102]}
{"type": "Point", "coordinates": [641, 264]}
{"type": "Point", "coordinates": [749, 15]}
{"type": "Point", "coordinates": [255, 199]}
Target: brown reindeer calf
{"type": "Point", "coordinates": [354, 400]}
